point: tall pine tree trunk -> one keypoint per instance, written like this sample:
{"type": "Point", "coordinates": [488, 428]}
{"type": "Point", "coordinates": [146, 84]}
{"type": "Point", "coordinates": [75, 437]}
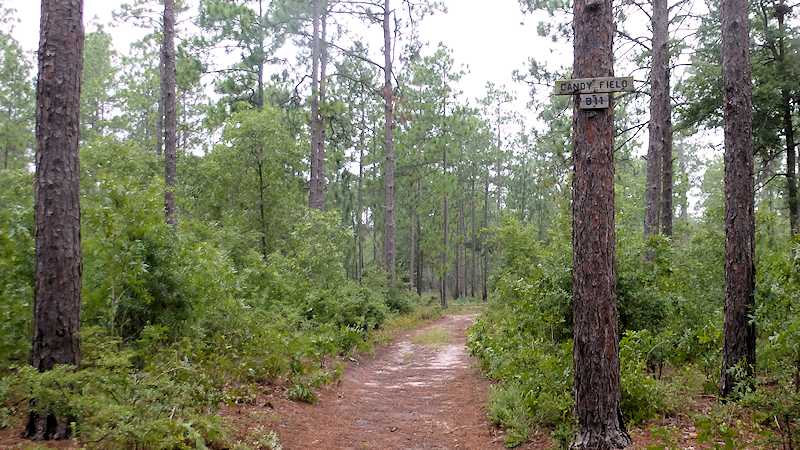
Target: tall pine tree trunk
{"type": "Point", "coordinates": [57, 298]}
{"type": "Point", "coordinates": [667, 179]}
{"type": "Point", "coordinates": [389, 164]}
{"type": "Point", "coordinates": [360, 200]}
{"type": "Point", "coordinates": [473, 276]}
{"type": "Point", "coordinates": [461, 254]}
{"type": "Point", "coordinates": [415, 238]}
{"type": "Point", "coordinates": [659, 106]}
{"type": "Point", "coordinates": [596, 344]}
{"type": "Point", "coordinates": [661, 48]}
{"type": "Point", "coordinates": [791, 161]}
{"type": "Point", "coordinates": [315, 194]}
{"type": "Point", "coordinates": [788, 126]}
{"type": "Point", "coordinates": [445, 215]}
{"type": "Point", "coordinates": [739, 346]}
{"type": "Point", "coordinates": [170, 114]}
{"type": "Point", "coordinates": [262, 213]}
{"type": "Point", "coordinates": [484, 251]}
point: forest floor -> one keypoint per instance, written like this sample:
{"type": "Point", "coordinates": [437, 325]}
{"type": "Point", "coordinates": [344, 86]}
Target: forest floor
{"type": "Point", "coordinates": [420, 392]}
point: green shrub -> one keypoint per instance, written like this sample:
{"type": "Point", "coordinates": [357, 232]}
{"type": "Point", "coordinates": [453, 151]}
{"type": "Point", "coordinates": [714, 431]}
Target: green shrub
{"type": "Point", "coordinates": [301, 393]}
{"type": "Point", "coordinates": [642, 395]}
{"type": "Point", "coordinates": [16, 266]}
{"type": "Point", "coordinates": [523, 339]}
{"type": "Point", "coordinates": [507, 409]}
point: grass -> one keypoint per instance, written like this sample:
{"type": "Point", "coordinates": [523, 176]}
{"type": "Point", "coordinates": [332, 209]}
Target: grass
{"type": "Point", "coordinates": [435, 337]}
{"type": "Point", "coordinates": [401, 323]}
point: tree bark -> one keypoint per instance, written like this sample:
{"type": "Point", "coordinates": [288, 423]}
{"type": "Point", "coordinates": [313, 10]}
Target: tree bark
{"type": "Point", "coordinates": [461, 254]}
{"type": "Point", "coordinates": [474, 263]}
{"type": "Point", "coordinates": [659, 106]}
{"type": "Point", "coordinates": [739, 346]}
{"type": "Point", "coordinates": [596, 345]}
{"type": "Point", "coordinates": [791, 161]}
{"type": "Point", "coordinates": [412, 265]}
{"type": "Point", "coordinates": [788, 126]}
{"type": "Point", "coordinates": [360, 199]}
{"type": "Point", "coordinates": [316, 195]}
{"type": "Point", "coordinates": [57, 298]}
{"type": "Point", "coordinates": [389, 164]}
{"type": "Point", "coordinates": [260, 76]}
{"type": "Point", "coordinates": [170, 114]}
{"type": "Point", "coordinates": [484, 252]}
{"type": "Point", "coordinates": [661, 65]}
{"type": "Point", "coordinates": [262, 215]}
{"type": "Point", "coordinates": [445, 232]}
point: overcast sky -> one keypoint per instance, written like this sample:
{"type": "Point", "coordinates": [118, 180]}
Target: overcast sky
{"type": "Point", "coordinates": [487, 37]}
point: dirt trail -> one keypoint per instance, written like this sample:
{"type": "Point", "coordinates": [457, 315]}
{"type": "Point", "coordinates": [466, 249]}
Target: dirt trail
{"type": "Point", "coordinates": [421, 393]}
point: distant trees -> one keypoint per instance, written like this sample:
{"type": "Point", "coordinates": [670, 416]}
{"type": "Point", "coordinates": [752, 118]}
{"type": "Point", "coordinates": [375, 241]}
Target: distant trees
{"type": "Point", "coordinates": [16, 96]}
{"type": "Point", "coordinates": [739, 346]}
{"type": "Point", "coordinates": [57, 302]}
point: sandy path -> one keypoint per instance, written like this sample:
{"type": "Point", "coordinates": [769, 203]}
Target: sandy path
{"type": "Point", "coordinates": [422, 392]}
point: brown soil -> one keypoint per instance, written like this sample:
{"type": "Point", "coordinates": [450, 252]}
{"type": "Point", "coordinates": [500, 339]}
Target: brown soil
{"type": "Point", "coordinates": [412, 395]}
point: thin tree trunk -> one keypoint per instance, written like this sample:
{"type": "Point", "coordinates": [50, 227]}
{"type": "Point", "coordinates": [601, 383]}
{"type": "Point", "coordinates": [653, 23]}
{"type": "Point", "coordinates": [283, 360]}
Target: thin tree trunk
{"type": "Point", "coordinates": [417, 245]}
{"type": "Point", "coordinates": [162, 97]}
{"type": "Point", "coordinates": [791, 161]}
{"type": "Point", "coordinates": [420, 267]}
{"type": "Point", "coordinates": [57, 294]}
{"type": "Point", "coordinates": [412, 250]}
{"type": "Point", "coordinates": [260, 76]}
{"type": "Point", "coordinates": [484, 251]}
{"type": "Point", "coordinates": [160, 112]}
{"type": "Point", "coordinates": [170, 115]}
{"type": "Point", "coordinates": [445, 212]}
{"type": "Point", "coordinates": [739, 344]}
{"type": "Point", "coordinates": [659, 107]}
{"type": "Point", "coordinates": [315, 199]}
{"type": "Point", "coordinates": [261, 208]}
{"type": "Point", "coordinates": [788, 126]}
{"type": "Point", "coordinates": [360, 201]}
{"type": "Point", "coordinates": [461, 259]}
{"type": "Point", "coordinates": [412, 265]}
{"type": "Point", "coordinates": [445, 233]}
{"type": "Point", "coordinates": [474, 263]}
{"type": "Point", "coordinates": [389, 165]}
{"type": "Point", "coordinates": [313, 196]}
{"type": "Point", "coordinates": [667, 179]}
{"type": "Point", "coordinates": [661, 65]}
{"type": "Point", "coordinates": [596, 345]}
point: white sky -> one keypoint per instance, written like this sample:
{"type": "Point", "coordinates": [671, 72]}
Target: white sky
{"type": "Point", "coordinates": [487, 37]}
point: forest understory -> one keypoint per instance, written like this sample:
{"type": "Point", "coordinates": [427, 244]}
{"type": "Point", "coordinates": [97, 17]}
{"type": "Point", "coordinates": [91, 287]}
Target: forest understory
{"type": "Point", "coordinates": [291, 224]}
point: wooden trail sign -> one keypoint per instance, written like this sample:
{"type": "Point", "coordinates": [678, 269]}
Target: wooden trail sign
{"type": "Point", "coordinates": [594, 85]}
{"type": "Point", "coordinates": [595, 101]}
{"type": "Point", "coordinates": [595, 93]}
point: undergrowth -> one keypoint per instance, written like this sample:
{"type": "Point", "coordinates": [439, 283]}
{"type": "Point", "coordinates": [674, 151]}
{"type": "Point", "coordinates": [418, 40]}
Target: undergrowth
{"type": "Point", "coordinates": [177, 323]}
{"type": "Point", "coordinates": [669, 345]}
